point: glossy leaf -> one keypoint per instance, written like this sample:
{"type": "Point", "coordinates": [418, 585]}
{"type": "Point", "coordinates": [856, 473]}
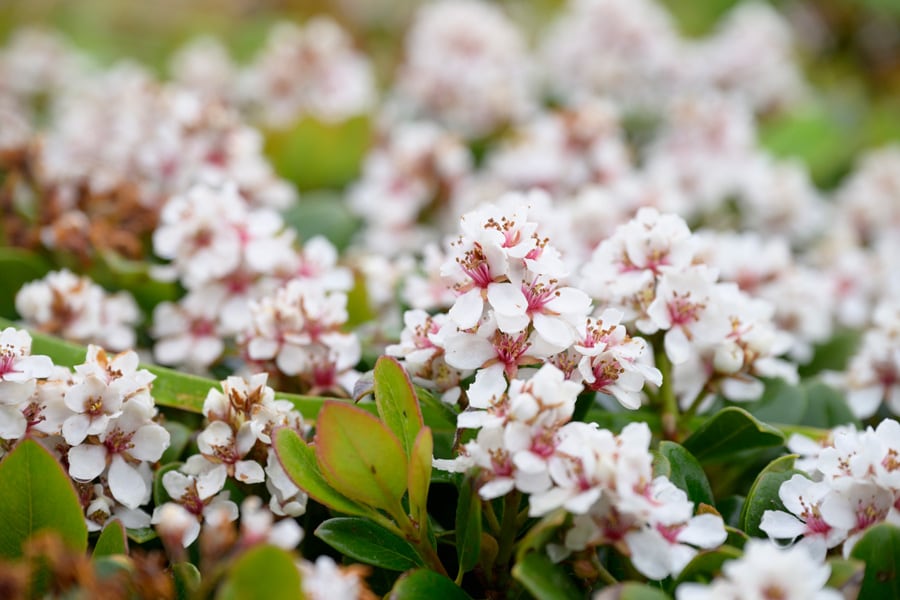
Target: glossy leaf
{"type": "Point", "coordinates": [846, 576]}
{"type": "Point", "coordinates": [468, 526]}
{"type": "Point", "coordinates": [632, 591]}
{"type": "Point", "coordinates": [187, 580]}
{"type": "Point", "coordinates": [827, 407]}
{"type": "Point", "coordinates": [142, 535]}
{"type": "Point", "coordinates": [763, 494]}
{"type": "Point", "coordinates": [299, 462]}
{"type": "Point", "coordinates": [368, 542]}
{"type": "Point", "coordinates": [112, 540]}
{"type": "Point", "coordinates": [686, 473]}
{"type": "Point", "coordinates": [781, 402]}
{"type": "Point", "coordinates": [420, 475]}
{"type": "Point", "coordinates": [544, 579]}
{"type": "Point", "coordinates": [396, 400]}
{"type": "Point", "coordinates": [316, 154]}
{"type": "Point", "coordinates": [424, 583]}
{"type": "Point", "coordinates": [707, 564]}
{"type": "Point", "coordinates": [322, 213]}
{"type": "Point", "coordinates": [730, 432]}
{"type": "Point", "coordinates": [359, 456]}
{"type": "Point", "coordinates": [36, 495]}
{"type": "Point", "coordinates": [879, 549]}
{"type": "Point", "coordinates": [262, 573]}
{"type": "Point", "coordinates": [541, 533]}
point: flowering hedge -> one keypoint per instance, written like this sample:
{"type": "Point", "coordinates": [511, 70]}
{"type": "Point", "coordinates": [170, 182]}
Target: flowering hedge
{"type": "Point", "coordinates": [543, 319]}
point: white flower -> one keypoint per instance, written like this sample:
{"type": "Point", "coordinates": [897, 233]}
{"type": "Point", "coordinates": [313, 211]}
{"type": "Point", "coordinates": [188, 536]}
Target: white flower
{"type": "Point", "coordinates": [325, 580]}
{"type": "Point", "coordinates": [803, 500]}
{"type": "Point", "coordinates": [258, 526]}
{"type": "Point", "coordinates": [766, 571]}
{"type": "Point", "coordinates": [611, 361]}
{"type": "Point", "coordinates": [221, 445]}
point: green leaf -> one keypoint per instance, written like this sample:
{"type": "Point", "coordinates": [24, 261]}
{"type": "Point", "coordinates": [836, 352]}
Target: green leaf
{"type": "Point", "coordinates": [299, 462]}
{"type": "Point", "coordinates": [35, 495]}
{"type": "Point", "coordinates": [314, 154]}
{"type": "Point", "coordinates": [686, 473]}
{"type": "Point", "coordinates": [706, 565]}
{"type": "Point", "coordinates": [827, 407]}
{"type": "Point", "coordinates": [262, 573]}
{"type": "Point", "coordinates": [468, 526]}
{"type": "Point", "coordinates": [544, 579]}
{"type": "Point", "coordinates": [729, 432]}
{"type": "Point", "coordinates": [112, 540]}
{"type": "Point", "coordinates": [879, 549]}
{"type": "Point", "coordinates": [396, 401]}
{"type": "Point", "coordinates": [541, 533]}
{"type": "Point", "coordinates": [360, 457]}
{"type": "Point", "coordinates": [368, 542]}
{"type": "Point", "coordinates": [187, 580]}
{"type": "Point", "coordinates": [833, 355]}
{"type": "Point", "coordinates": [730, 508]}
{"type": "Point", "coordinates": [18, 267]}
{"type": "Point", "coordinates": [763, 494]}
{"type": "Point", "coordinates": [420, 475]}
{"type": "Point", "coordinates": [424, 583]}
{"type": "Point", "coordinates": [781, 402]}
{"type": "Point", "coordinates": [632, 591]}
{"type": "Point", "coordinates": [142, 535]}
{"type": "Point", "coordinates": [846, 576]}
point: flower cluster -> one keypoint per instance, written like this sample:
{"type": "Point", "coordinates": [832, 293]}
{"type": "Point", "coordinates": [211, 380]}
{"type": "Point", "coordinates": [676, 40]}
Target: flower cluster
{"type": "Point", "coordinates": [716, 336]}
{"type": "Point", "coordinates": [77, 309]}
{"type": "Point", "coordinates": [527, 442]}
{"type": "Point", "coordinates": [872, 378]}
{"type": "Point", "coordinates": [852, 485]}
{"type": "Point", "coordinates": [297, 332]}
{"type": "Point", "coordinates": [632, 51]}
{"type": "Point", "coordinates": [412, 170]}
{"type": "Point", "coordinates": [235, 444]}
{"type": "Point", "coordinates": [100, 420]}
{"type": "Point", "coordinates": [227, 254]}
{"type": "Point", "coordinates": [466, 67]}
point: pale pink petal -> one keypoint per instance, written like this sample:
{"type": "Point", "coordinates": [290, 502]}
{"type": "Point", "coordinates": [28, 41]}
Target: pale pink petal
{"type": "Point", "coordinates": [86, 462]}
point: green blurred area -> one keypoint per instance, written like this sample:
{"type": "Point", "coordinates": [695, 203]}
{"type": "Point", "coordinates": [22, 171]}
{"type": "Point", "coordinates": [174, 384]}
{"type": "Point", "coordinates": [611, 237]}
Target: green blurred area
{"type": "Point", "coordinates": [850, 51]}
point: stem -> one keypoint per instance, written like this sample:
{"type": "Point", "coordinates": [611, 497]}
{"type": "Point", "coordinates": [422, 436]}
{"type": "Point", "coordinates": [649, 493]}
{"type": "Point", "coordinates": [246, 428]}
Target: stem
{"type": "Point", "coordinates": [508, 530]}
{"type": "Point", "coordinates": [417, 534]}
{"type": "Point", "coordinates": [666, 393]}
{"type": "Point", "coordinates": [491, 517]}
{"type": "Point", "coordinates": [604, 574]}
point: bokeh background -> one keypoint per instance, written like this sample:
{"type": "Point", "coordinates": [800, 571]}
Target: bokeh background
{"type": "Point", "coordinates": [849, 49]}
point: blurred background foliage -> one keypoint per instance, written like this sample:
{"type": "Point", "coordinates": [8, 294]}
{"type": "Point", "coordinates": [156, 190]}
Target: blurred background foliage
{"type": "Point", "coordinates": [850, 50]}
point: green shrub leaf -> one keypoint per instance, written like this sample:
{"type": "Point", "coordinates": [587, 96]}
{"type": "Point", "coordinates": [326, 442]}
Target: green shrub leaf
{"type": "Point", "coordinates": [396, 400]}
{"type": "Point", "coordinates": [468, 526]}
{"type": "Point", "coordinates": [543, 579]}
{"type": "Point", "coordinates": [299, 462]}
{"type": "Point", "coordinates": [424, 583]}
{"type": "Point", "coordinates": [35, 495]}
{"type": "Point", "coordinates": [368, 542]}
{"type": "Point", "coordinates": [729, 432]}
{"type": "Point", "coordinates": [763, 494]}
{"type": "Point", "coordinates": [112, 540]}
{"type": "Point", "coordinates": [359, 456]}
{"type": "Point", "coordinates": [262, 573]}
{"type": "Point", "coordinates": [686, 473]}
{"type": "Point", "coordinates": [879, 549]}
